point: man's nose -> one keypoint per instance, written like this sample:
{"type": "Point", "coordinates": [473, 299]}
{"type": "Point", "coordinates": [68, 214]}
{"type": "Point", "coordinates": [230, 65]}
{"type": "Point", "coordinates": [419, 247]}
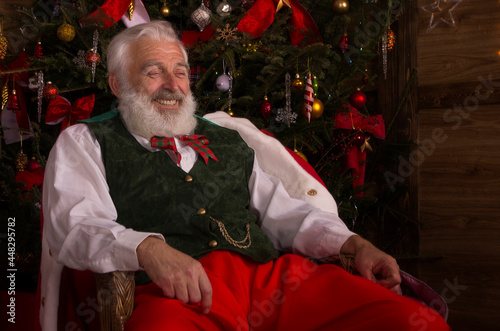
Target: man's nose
{"type": "Point", "coordinates": [170, 82]}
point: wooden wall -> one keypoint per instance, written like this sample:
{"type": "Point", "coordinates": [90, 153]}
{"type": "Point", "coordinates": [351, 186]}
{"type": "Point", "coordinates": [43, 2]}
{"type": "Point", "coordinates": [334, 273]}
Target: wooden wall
{"type": "Point", "coordinates": [459, 171]}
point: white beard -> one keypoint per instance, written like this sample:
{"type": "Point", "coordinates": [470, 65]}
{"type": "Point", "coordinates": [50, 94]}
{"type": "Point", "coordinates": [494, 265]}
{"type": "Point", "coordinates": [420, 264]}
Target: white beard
{"type": "Point", "coordinates": [143, 118]}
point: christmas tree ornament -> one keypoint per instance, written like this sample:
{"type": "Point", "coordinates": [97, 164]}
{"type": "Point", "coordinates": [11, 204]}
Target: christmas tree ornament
{"type": "Point", "coordinates": [226, 34]}
{"type": "Point", "coordinates": [38, 50]}
{"type": "Point", "coordinates": [92, 57]}
{"type": "Point", "coordinates": [33, 164]}
{"type": "Point", "coordinates": [265, 108]}
{"type": "Point", "coordinates": [13, 103]}
{"type": "Point", "coordinates": [308, 98]}
{"type": "Point", "coordinates": [3, 42]}
{"type": "Point", "coordinates": [201, 17]}
{"type": "Point", "coordinates": [384, 54]}
{"type": "Point", "coordinates": [285, 115]}
{"type": "Point", "coordinates": [391, 39]}
{"type": "Point", "coordinates": [61, 110]}
{"type": "Point", "coordinates": [21, 158]}
{"type": "Point", "coordinates": [301, 155]}
{"type": "Point", "coordinates": [261, 15]}
{"type": "Point", "coordinates": [164, 10]}
{"type": "Point", "coordinates": [247, 3]}
{"type": "Point", "coordinates": [230, 93]}
{"type": "Point", "coordinates": [224, 9]}
{"type": "Point", "coordinates": [298, 83]}
{"type": "Point", "coordinates": [130, 10]}
{"type": "Point", "coordinates": [358, 139]}
{"type": "Point", "coordinates": [50, 91]}
{"type": "Point", "coordinates": [40, 95]}
{"type": "Point", "coordinates": [281, 3]}
{"type": "Point", "coordinates": [355, 158]}
{"type": "Point", "coordinates": [344, 43]}
{"type": "Point", "coordinates": [66, 32]}
{"type": "Point", "coordinates": [288, 102]}
{"type": "Point", "coordinates": [358, 99]}
{"type": "Point", "coordinates": [222, 82]}
{"type": "Point", "coordinates": [340, 6]}
{"type": "Point", "coordinates": [315, 85]}
{"type": "Point", "coordinates": [5, 94]}
{"type": "Point", "coordinates": [316, 110]}
{"type": "Point", "coordinates": [296, 151]}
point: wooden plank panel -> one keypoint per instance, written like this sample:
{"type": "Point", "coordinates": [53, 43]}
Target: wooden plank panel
{"type": "Point", "coordinates": [459, 208]}
{"type": "Point", "coordinates": [457, 55]}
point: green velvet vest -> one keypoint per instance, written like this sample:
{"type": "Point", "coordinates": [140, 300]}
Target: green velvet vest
{"type": "Point", "coordinates": [152, 194]}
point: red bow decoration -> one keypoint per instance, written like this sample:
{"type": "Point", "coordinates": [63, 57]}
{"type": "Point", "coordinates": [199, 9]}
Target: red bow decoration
{"type": "Point", "coordinates": [110, 12]}
{"type": "Point", "coordinates": [261, 15]}
{"type": "Point", "coordinates": [355, 159]}
{"type": "Point", "coordinates": [61, 110]}
{"type": "Point", "coordinates": [191, 37]}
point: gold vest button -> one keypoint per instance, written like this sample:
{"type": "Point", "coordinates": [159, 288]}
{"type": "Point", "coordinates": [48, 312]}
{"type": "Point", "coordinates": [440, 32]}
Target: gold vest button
{"type": "Point", "coordinates": [188, 179]}
{"type": "Point", "coordinates": [212, 243]}
{"type": "Point", "coordinates": [201, 211]}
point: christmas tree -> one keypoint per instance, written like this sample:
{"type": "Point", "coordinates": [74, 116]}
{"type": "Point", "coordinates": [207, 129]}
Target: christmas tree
{"type": "Point", "coordinates": [305, 72]}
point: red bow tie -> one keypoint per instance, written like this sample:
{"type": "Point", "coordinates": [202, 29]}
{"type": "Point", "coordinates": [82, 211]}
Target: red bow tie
{"type": "Point", "coordinates": [197, 142]}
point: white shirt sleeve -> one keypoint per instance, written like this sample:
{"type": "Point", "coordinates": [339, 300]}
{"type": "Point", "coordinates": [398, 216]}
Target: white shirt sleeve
{"type": "Point", "coordinates": [79, 215]}
{"type": "Point", "coordinates": [292, 224]}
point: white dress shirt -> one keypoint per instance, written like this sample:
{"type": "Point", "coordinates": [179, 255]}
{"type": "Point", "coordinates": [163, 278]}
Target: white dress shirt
{"type": "Point", "coordinates": [80, 217]}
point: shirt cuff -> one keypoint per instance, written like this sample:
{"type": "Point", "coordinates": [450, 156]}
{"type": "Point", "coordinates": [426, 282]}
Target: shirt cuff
{"type": "Point", "coordinates": [126, 249]}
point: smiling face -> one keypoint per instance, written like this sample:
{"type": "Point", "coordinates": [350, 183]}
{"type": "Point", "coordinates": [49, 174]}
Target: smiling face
{"type": "Point", "coordinates": [158, 67]}
{"type": "Point", "coordinates": [155, 98]}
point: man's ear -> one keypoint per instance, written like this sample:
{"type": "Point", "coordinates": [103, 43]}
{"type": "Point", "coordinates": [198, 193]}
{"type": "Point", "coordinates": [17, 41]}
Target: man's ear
{"type": "Point", "coordinates": [114, 83]}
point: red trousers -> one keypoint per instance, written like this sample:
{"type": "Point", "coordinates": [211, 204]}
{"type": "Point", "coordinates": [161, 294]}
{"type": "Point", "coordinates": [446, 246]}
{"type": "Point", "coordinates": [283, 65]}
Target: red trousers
{"type": "Point", "coordinates": [290, 294]}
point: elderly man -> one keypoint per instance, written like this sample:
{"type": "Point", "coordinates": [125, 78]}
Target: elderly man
{"type": "Point", "coordinates": [154, 188]}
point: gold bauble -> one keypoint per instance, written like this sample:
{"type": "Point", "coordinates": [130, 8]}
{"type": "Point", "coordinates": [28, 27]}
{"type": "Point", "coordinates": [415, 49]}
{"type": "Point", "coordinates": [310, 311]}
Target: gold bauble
{"type": "Point", "coordinates": [66, 32]}
{"type": "Point", "coordinates": [341, 6]}
{"type": "Point", "coordinates": [301, 155]}
{"type": "Point", "coordinates": [297, 84]}
{"type": "Point", "coordinates": [165, 11]}
{"type": "Point", "coordinates": [317, 110]}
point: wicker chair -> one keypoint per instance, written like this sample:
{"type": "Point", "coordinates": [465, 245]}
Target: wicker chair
{"type": "Point", "coordinates": [115, 293]}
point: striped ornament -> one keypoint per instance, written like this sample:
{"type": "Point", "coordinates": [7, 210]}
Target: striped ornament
{"type": "Point", "coordinates": [308, 98]}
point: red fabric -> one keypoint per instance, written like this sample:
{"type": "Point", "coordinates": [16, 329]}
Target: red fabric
{"type": "Point", "coordinates": [261, 15]}
{"type": "Point", "coordinates": [109, 13]}
{"type": "Point", "coordinates": [291, 293]}
{"type": "Point", "coordinates": [351, 119]}
{"type": "Point", "coordinates": [191, 37]}
{"type": "Point", "coordinates": [61, 110]}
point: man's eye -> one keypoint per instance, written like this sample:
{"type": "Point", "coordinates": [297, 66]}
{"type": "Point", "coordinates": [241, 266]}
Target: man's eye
{"type": "Point", "coordinates": [181, 74]}
{"type": "Point", "coordinates": [153, 74]}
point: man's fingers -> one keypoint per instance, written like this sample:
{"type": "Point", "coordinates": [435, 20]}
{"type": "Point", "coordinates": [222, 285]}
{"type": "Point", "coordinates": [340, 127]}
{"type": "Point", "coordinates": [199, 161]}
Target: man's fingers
{"type": "Point", "coordinates": [206, 294]}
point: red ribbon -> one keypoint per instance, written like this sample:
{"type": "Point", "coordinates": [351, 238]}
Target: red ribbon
{"type": "Point", "coordinates": [61, 110]}
{"type": "Point", "coordinates": [261, 15]}
{"type": "Point", "coordinates": [355, 159]}
{"type": "Point", "coordinates": [110, 12]}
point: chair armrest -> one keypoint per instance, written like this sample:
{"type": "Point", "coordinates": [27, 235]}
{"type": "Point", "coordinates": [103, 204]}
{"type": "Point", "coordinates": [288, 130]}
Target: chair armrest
{"type": "Point", "coordinates": [115, 296]}
{"type": "Point", "coordinates": [346, 262]}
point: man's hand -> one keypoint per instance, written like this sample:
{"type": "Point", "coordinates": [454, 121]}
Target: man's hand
{"type": "Point", "coordinates": [177, 274]}
{"type": "Point", "coordinates": [373, 264]}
